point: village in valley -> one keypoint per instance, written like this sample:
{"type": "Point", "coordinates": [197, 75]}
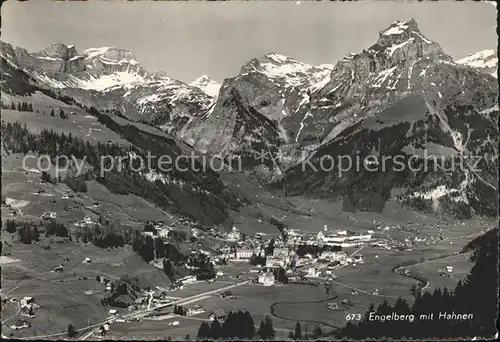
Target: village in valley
{"type": "Point", "coordinates": [321, 272]}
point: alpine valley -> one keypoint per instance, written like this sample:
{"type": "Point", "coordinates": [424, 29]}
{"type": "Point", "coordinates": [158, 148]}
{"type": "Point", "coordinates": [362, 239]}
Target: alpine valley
{"type": "Point", "coordinates": [398, 141]}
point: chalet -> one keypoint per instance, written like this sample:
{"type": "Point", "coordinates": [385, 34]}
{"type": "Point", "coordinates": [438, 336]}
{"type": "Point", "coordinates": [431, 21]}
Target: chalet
{"type": "Point", "coordinates": [160, 295]}
{"type": "Point", "coordinates": [219, 315]}
{"type": "Point", "coordinates": [195, 309]}
{"type": "Point", "coordinates": [112, 312]}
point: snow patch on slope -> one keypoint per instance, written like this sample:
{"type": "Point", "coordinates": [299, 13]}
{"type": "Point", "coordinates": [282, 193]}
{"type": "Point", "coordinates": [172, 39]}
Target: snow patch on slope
{"type": "Point", "coordinates": [207, 85]}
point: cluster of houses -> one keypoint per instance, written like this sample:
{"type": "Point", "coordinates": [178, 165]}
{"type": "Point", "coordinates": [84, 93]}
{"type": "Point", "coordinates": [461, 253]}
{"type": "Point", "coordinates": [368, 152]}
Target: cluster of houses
{"type": "Point", "coordinates": [159, 230]}
{"type": "Point", "coordinates": [87, 221]}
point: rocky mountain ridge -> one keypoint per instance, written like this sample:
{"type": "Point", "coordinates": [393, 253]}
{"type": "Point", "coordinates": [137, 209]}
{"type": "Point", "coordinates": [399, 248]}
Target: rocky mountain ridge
{"type": "Point", "coordinates": [485, 60]}
{"type": "Point", "coordinates": [404, 86]}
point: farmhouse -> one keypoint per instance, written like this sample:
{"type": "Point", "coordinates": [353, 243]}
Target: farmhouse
{"type": "Point", "coordinates": [195, 309]}
{"type": "Point", "coordinates": [217, 314]}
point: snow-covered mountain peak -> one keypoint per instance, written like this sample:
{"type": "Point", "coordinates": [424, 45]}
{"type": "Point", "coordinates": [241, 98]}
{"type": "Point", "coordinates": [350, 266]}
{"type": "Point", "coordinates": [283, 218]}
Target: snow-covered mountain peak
{"type": "Point", "coordinates": [485, 60]}
{"type": "Point", "coordinates": [399, 33]}
{"type": "Point", "coordinates": [399, 27]}
{"type": "Point", "coordinates": [111, 55]}
{"type": "Point", "coordinates": [207, 85]}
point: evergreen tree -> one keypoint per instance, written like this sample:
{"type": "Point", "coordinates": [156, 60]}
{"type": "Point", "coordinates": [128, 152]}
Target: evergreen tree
{"type": "Point", "coordinates": [52, 112]}
{"type": "Point", "coordinates": [19, 107]}
{"type": "Point", "coordinates": [187, 338]}
{"type": "Point", "coordinates": [262, 330]}
{"type": "Point", "coordinates": [12, 106]}
{"type": "Point", "coordinates": [30, 107]}
{"type": "Point", "coordinates": [71, 331]}
{"type": "Point", "coordinates": [298, 331]}
{"type": "Point", "coordinates": [204, 332]}
{"type": "Point", "coordinates": [215, 330]}
{"type": "Point", "coordinates": [317, 333]}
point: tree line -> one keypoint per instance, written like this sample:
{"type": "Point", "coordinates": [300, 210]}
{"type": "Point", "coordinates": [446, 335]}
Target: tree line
{"type": "Point", "coordinates": [20, 107]}
{"type": "Point", "coordinates": [28, 232]}
{"type": "Point", "coordinates": [238, 325]}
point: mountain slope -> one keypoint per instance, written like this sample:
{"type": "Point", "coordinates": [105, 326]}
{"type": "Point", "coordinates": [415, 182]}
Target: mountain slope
{"type": "Point", "coordinates": [486, 61]}
{"type": "Point", "coordinates": [405, 97]}
{"type": "Point", "coordinates": [110, 78]}
{"type": "Point", "coordinates": [257, 110]}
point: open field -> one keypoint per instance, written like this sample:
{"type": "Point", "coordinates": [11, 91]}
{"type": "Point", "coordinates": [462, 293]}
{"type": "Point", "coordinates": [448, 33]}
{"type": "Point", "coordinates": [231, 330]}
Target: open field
{"type": "Point", "coordinates": [80, 124]}
{"type": "Point", "coordinates": [429, 270]}
{"type": "Point", "coordinates": [61, 295]}
{"type": "Point", "coordinates": [24, 187]}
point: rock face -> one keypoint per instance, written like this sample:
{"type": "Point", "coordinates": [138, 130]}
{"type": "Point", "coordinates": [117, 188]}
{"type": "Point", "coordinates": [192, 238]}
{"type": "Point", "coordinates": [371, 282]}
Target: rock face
{"type": "Point", "coordinates": [404, 97]}
{"type": "Point", "coordinates": [485, 61]}
{"type": "Point", "coordinates": [259, 110]}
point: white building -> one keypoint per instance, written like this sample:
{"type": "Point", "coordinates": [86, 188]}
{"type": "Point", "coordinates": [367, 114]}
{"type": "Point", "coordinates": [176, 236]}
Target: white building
{"type": "Point", "coordinates": [244, 253]}
{"type": "Point", "coordinates": [188, 279]}
{"type": "Point", "coordinates": [312, 273]}
{"type": "Point", "coordinates": [275, 262]}
{"type": "Point", "coordinates": [333, 256]}
{"type": "Point", "coordinates": [162, 232]}
{"type": "Point", "coordinates": [267, 279]}
{"type": "Point", "coordinates": [234, 234]}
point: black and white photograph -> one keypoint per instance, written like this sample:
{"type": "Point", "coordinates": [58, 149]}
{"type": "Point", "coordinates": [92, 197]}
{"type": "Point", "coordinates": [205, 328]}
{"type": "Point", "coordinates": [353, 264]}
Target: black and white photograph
{"type": "Point", "coordinates": [249, 170]}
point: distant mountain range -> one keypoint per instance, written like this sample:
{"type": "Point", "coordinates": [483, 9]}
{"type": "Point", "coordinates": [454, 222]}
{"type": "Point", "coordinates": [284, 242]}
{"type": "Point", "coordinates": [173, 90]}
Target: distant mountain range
{"type": "Point", "coordinates": [402, 95]}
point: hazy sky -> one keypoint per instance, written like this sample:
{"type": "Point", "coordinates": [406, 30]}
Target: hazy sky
{"type": "Point", "coordinates": [189, 39]}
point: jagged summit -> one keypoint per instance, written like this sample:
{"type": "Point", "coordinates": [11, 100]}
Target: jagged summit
{"type": "Point", "coordinates": [399, 27]}
{"type": "Point", "coordinates": [402, 33]}
{"type": "Point", "coordinates": [59, 50]}
{"type": "Point", "coordinates": [207, 85]}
